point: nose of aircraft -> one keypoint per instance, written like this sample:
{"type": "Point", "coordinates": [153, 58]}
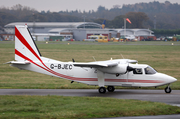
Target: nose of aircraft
{"type": "Point", "coordinates": [168, 79]}
{"type": "Point", "coordinates": [173, 79]}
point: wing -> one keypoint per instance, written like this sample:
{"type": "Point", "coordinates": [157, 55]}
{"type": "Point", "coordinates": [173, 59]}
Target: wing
{"type": "Point", "coordinates": [97, 64]}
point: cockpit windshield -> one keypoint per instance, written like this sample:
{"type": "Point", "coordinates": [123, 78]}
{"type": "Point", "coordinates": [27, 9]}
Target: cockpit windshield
{"type": "Point", "coordinates": [149, 70]}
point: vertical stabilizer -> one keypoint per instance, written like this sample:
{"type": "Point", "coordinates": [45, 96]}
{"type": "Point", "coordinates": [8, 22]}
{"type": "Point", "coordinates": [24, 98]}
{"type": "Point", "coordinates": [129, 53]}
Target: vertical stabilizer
{"type": "Point", "coordinates": [103, 24]}
{"type": "Point", "coordinates": [25, 47]}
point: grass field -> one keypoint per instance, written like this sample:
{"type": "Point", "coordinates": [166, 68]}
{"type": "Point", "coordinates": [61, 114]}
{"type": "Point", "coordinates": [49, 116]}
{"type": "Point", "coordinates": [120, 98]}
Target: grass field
{"type": "Point", "coordinates": [56, 107]}
{"type": "Point", "coordinates": [163, 56]}
{"type": "Point", "coordinates": [160, 55]}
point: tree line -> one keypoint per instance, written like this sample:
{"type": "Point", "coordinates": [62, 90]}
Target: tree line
{"type": "Point", "coordinates": [142, 15]}
{"type": "Point", "coordinates": [25, 14]}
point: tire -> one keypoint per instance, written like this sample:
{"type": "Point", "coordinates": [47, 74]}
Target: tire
{"type": "Point", "coordinates": [110, 88]}
{"type": "Point", "coordinates": [167, 90]}
{"type": "Point", "coordinates": [102, 90]}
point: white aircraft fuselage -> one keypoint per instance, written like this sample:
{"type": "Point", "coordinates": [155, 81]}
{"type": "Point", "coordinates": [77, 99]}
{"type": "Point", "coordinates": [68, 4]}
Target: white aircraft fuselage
{"type": "Point", "coordinates": [118, 72]}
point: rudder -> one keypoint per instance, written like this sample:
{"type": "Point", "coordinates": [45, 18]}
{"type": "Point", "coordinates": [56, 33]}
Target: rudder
{"type": "Point", "coordinates": [25, 47]}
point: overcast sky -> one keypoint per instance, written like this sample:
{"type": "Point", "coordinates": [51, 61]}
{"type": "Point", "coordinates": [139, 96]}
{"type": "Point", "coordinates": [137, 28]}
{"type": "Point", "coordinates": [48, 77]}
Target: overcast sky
{"type": "Point", "coordinates": [63, 5]}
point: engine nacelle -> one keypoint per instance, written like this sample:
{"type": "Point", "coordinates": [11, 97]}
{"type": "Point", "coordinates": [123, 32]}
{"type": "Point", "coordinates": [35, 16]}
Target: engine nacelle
{"type": "Point", "coordinates": [119, 69]}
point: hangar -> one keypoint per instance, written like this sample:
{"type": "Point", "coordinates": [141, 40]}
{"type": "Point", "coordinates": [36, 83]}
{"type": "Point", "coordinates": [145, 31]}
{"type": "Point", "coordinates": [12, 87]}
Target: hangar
{"type": "Point", "coordinates": [80, 34]}
{"type": "Point", "coordinates": [138, 33]}
{"type": "Point", "coordinates": [76, 30]}
{"type": "Point", "coordinates": [44, 27]}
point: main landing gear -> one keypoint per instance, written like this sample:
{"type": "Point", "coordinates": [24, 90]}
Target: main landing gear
{"type": "Point", "coordinates": [167, 89]}
{"type": "Point", "coordinates": [102, 90]}
{"type": "Point", "coordinates": [109, 88]}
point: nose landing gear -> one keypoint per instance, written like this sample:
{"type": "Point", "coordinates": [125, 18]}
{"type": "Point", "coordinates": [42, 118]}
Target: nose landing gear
{"type": "Point", "coordinates": [167, 89]}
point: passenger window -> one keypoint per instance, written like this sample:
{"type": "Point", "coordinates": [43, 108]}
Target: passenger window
{"type": "Point", "coordinates": [137, 71]}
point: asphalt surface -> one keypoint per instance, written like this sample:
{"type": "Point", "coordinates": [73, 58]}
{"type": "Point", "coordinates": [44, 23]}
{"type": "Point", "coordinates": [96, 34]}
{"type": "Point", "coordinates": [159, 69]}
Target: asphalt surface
{"type": "Point", "coordinates": [147, 95]}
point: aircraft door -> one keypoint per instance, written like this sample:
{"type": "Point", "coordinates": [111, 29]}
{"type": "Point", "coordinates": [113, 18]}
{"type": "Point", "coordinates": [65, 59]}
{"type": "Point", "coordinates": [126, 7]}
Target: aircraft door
{"type": "Point", "coordinates": [134, 75]}
{"type": "Point", "coordinates": [124, 79]}
{"type": "Point", "coordinates": [129, 77]}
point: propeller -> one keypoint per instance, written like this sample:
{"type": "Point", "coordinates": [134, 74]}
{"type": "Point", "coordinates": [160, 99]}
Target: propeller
{"type": "Point", "coordinates": [129, 68]}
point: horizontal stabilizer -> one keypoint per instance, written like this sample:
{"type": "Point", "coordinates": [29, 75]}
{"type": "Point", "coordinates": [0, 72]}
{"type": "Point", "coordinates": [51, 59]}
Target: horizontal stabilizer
{"type": "Point", "coordinates": [18, 62]}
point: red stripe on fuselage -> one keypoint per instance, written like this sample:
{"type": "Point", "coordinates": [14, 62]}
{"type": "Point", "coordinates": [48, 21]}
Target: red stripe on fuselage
{"type": "Point", "coordinates": [26, 58]}
{"type": "Point", "coordinates": [116, 80]}
{"type": "Point", "coordinates": [53, 72]}
{"type": "Point", "coordinates": [134, 80]}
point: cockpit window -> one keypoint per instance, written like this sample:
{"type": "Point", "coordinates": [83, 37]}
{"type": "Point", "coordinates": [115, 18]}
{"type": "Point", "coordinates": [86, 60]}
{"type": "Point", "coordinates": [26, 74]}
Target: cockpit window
{"type": "Point", "coordinates": [149, 70]}
{"type": "Point", "coordinates": [137, 71]}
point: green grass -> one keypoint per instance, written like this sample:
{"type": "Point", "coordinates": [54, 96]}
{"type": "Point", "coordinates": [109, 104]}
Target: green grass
{"type": "Point", "coordinates": [78, 107]}
{"type": "Point", "coordinates": [161, 55]}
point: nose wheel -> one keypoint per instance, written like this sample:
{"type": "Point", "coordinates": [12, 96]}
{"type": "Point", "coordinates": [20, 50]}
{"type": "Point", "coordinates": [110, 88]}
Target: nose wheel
{"type": "Point", "coordinates": [167, 89]}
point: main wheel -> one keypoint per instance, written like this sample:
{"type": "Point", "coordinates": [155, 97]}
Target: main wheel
{"type": "Point", "coordinates": [102, 90]}
{"type": "Point", "coordinates": [167, 90]}
{"type": "Point", "coordinates": [110, 88]}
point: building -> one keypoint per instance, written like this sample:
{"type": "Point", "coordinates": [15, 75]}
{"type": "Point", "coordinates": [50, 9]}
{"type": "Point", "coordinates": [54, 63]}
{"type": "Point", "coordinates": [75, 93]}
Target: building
{"type": "Point", "coordinates": [44, 27]}
{"type": "Point", "coordinates": [140, 34]}
{"type": "Point", "coordinates": [42, 31]}
{"type": "Point", "coordinates": [81, 33]}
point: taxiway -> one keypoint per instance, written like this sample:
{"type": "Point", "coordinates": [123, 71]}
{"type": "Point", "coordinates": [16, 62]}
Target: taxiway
{"type": "Point", "coordinates": [147, 95]}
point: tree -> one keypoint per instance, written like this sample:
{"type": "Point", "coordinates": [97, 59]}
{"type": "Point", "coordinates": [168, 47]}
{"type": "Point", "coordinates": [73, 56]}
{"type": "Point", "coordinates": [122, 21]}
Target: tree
{"type": "Point", "coordinates": [101, 9]}
{"type": "Point", "coordinates": [118, 22]}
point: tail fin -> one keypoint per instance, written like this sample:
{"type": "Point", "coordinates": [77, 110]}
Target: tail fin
{"type": "Point", "coordinates": [25, 47]}
{"type": "Point", "coordinates": [103, 24]}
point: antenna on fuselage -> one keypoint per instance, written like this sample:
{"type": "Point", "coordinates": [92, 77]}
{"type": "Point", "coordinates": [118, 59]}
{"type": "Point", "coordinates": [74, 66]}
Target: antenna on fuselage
{"type": "Point", "coordinates": [73, 60]}
{"type": "Point", "coordinates": [122, 56]}
{"type": "Point", "coordinates": [94, 58]}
